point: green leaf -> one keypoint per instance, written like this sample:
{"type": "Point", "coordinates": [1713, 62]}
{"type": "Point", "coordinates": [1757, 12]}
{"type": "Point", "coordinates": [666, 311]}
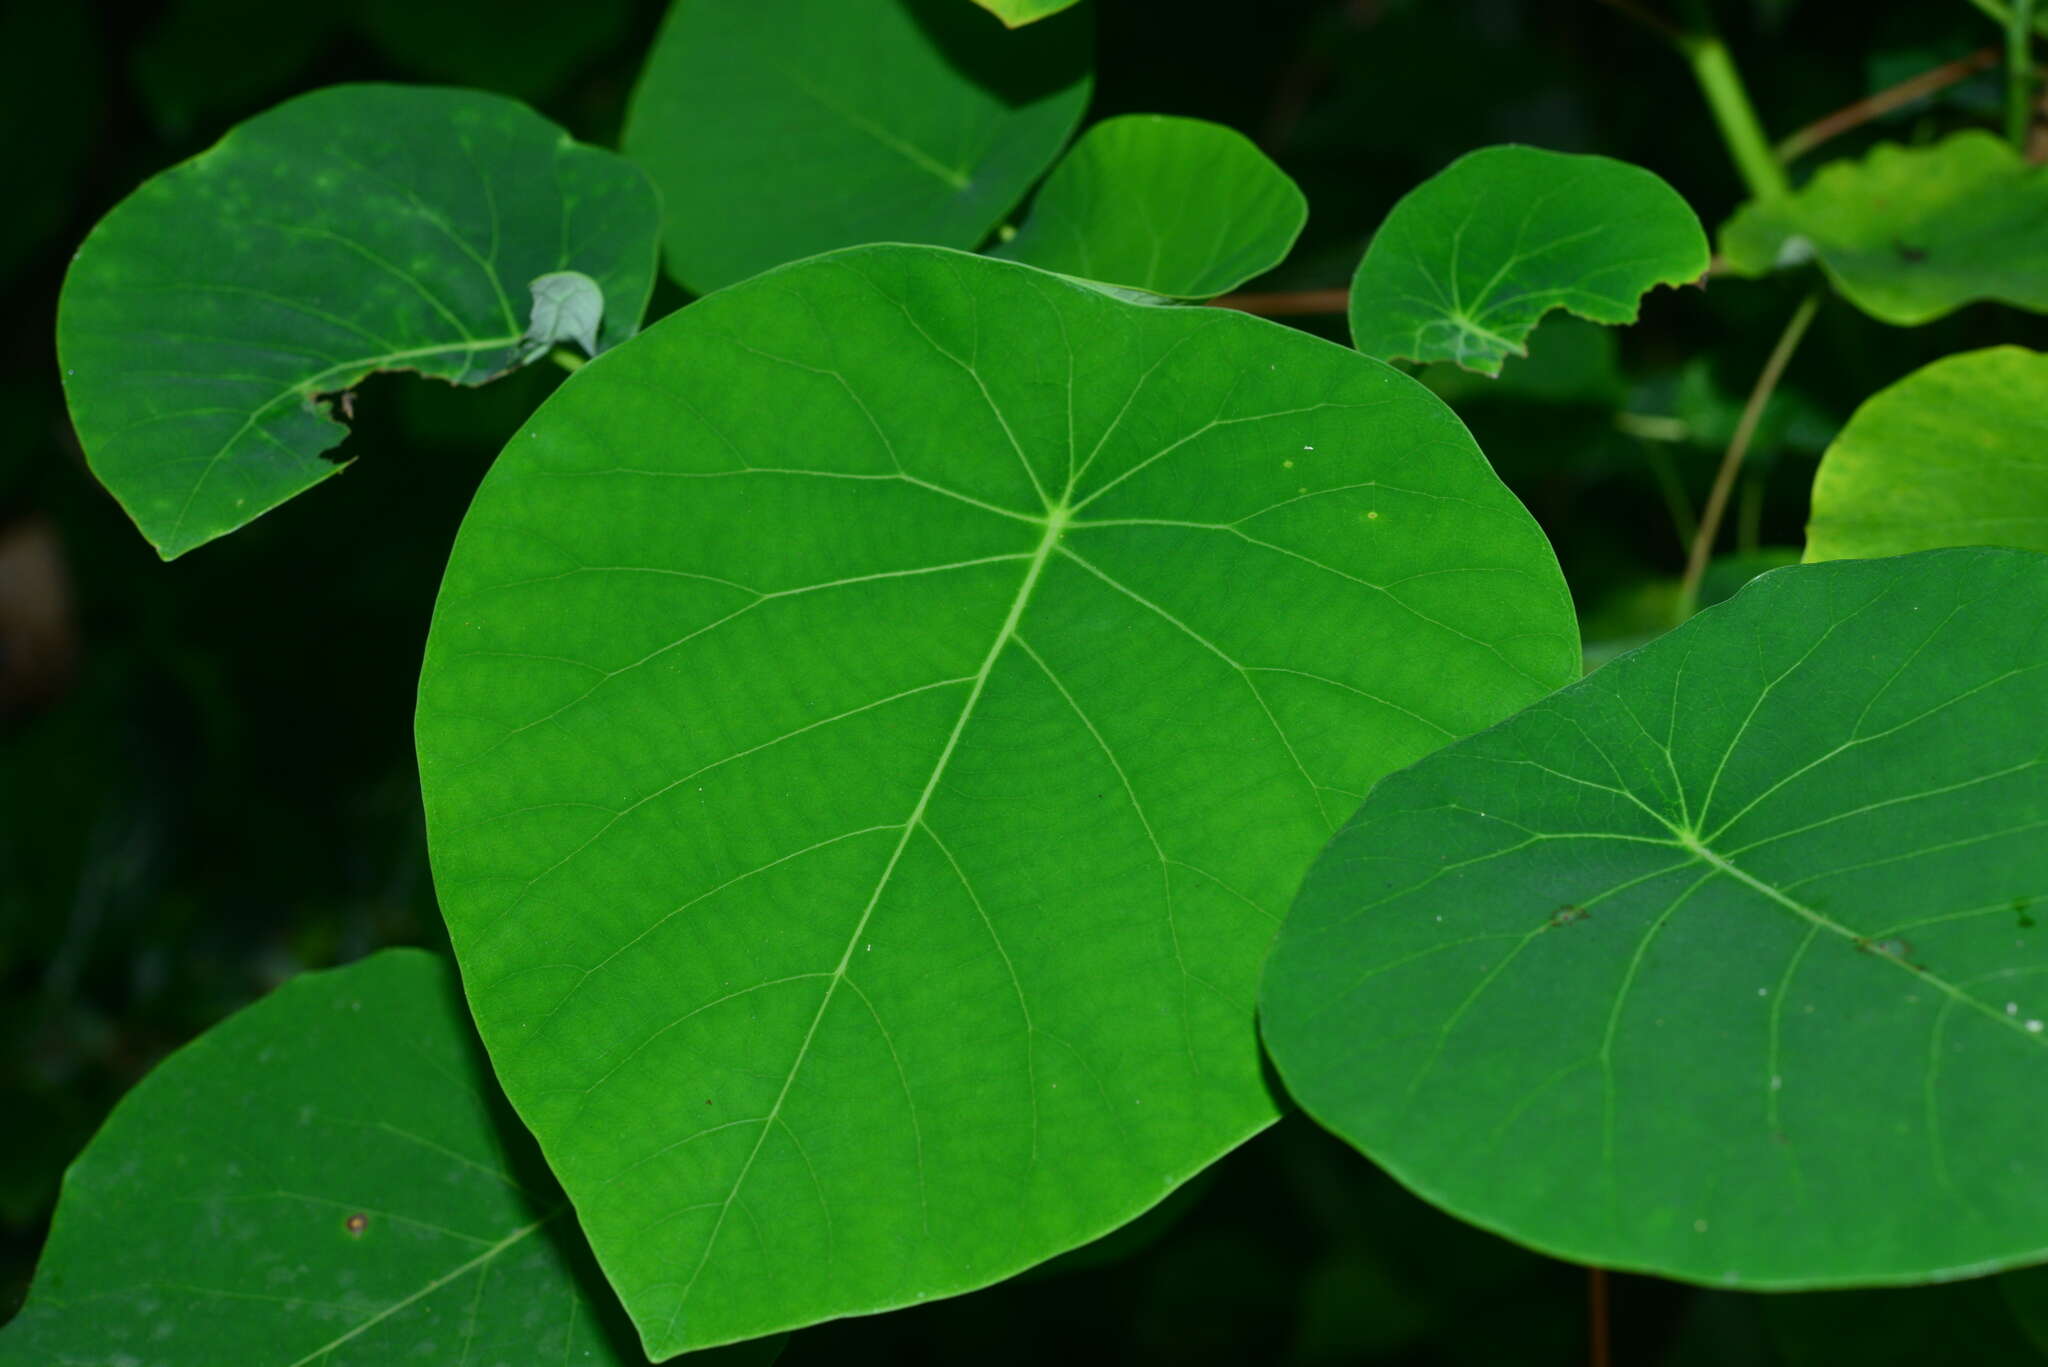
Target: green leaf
{"type": "Point", "coordinates": [1470, 260]}
{"type": "Point", "coordinates": [864, 765]}
{"type": "Point", "coordinates": [1017, 13]}
{"type": "Point", "coordinates": [776, 132]}
{"type": "Point", "coordinates": [1570, 363]}
{"type": "Point", "coordinates": [1955, 454]}
{"type": "Point", "coordinates": [1720, 964]}
{"type": "Point", "coordinates": [1909, 234]}
{"type": "Point", "coordinates": [211, 316]}
{"type": "Point", "coordinates": [567, 307]}
{"type": "Point", "coordinates": [328, 1175]}
{"type": "Point", "coordinates": [1180, 208]}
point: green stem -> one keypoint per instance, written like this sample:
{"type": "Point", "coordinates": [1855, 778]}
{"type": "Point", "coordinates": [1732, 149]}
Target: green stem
{"type": "Point", "coordinates": [567, 359]}
{"type": "Point", "coordinates": [2019, 72]}
{"type": "Point", "coordinates": [1738, 447]}
{"type": "Point", "coordinates": [1714, 67]}
{"type": "Point", "coordinates": [2003, 15]}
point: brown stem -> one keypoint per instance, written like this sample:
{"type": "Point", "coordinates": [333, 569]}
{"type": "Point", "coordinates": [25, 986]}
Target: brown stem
{"type": "Point", "coordinates": [1597, 1353]}
{"type": "Point", "coordinates": [1885, 101]}
{"type": "Point", "coordinates": [1738, 447]}
{"type": "Point", "coordinates": [1287, 303]}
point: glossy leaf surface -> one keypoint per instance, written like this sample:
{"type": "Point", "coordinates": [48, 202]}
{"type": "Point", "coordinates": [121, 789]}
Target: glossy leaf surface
{"type": "Point", "coordinates": [211, 318]}
{"type": "Point", "coordinates": [865, 765]}
{"type": "Point", "coordinates": [1180, 208]}
{"type": "Point", "coordinates": [777, 129]}
{"type": "Point", "coordinates": [1469, 261]}
{"type": "Point", "coordinates": [1955, 454]}
{"type": "Point", "coordinates": [328, 1176]}
{"type": "Point", "coordinates": [1908, 234]}
{"type": "Point", "coordinates": [1723, 963]}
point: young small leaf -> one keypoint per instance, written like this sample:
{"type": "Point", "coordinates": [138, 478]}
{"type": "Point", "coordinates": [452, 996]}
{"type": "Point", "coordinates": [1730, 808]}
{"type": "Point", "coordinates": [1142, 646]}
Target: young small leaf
{"type": "Point", "coordinates": [1955, 454]}
{"type": "Point", "coordinates": [864, 764]}
{"type": "Point", "coordinates": [1179, 208]}
{"type": "Point", "coordinates": [1017, 13]}
{"type": "Point", "coordinates": [567, 307]}
{"type": "Point", "coordinates": [777, 131]}
{"type": "Point", "coordinates": [1469, 261]}
{"type": "Point", "coordinates": [328, 1176]}
{"type": "Point", "coordinates": [1909, 234]}
{"type": "Point", "coordinates": [355, 229]}
{"type": "Point", "coordinates": [1718, 964]}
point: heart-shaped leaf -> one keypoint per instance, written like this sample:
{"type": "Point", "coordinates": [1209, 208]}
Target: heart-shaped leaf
{"type": "Point", "coordinates": [1908, 234]}
{"type": "Point", "coordinates": [210, 318]}
{"type": "Point", "coordinates": [777, 131]}
{"type": "Point", "coordinates": [327, 1177]}
{"type": "Point", "coordinates": [1955, 454]}
{"type": "Point", "coordinates": [1723, 963]}
{"type": "Point", "coordinates": [864, 763]}
{"type": "Point", "coordinates": [1179, 208]}
{"type": "Point", "coordinates": [1470, 260]}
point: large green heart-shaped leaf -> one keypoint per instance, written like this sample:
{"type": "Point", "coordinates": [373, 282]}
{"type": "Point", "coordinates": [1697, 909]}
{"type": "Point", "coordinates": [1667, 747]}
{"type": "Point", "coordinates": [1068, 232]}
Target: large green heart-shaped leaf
{"type": "Point", "coordinates": [864, 762]}
{"type": "Point", "coordinates": [1908, 234]}
{"type": "Point", "coordinates": [1017, 13]}
{"type": "Point", "coordinates": [327, 1177]}
{"type": "Point", "coordinates": [781, 128]}
{"type": "Point", "coordinates": [1955, 454]}
{"type": "Point", "coordinates": [1719, 964]}
{"type": "Point", "coordinates": [1180, 208]}
{"type": "Point", "coordinates": [1470, 260]}
{"type": "Point", "coordinates": [210, 318]}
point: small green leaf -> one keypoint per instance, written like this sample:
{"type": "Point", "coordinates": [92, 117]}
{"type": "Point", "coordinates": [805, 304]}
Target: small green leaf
{"type": "Point", "coordinates": [1909, 234]}
{"type": "Point", "coordinates": [864, 764]}
{"type": "Point", "coordinates": [1722, 964]}
{"type": "Point", "coordinates": [780, 131]}
{"type": "Point", "coordinates": [1470, 260]}
{"type": "Point", "coordinates": [1180, 208]}
{"type": "Point", "coordinates": [210, 316]}
{"type": "Point", "coordinates": [1017, 13]}
{"type": "Point", "coordinates": [567, 307]}
{"type": "Point", "coordinates": [328, 1176]}
{"type": "Point", "coordinates": [1955, 454]}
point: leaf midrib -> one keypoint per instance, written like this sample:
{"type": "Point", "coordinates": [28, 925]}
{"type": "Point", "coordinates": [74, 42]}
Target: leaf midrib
{"type": "Point", "coordinates": [1056, 522]}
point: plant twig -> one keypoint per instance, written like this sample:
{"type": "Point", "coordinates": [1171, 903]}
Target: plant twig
{"type": "Point", "coordinates": [1597, 1351]}
{"type": "Point", "coordinates": [1713, 66]}
{"type": "Point", "coordinates": [1286, 303]}
{"type": "Point", "coordinates": [1738, 447]}
{"type": "Point", "coordinates": [1884, 102]}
